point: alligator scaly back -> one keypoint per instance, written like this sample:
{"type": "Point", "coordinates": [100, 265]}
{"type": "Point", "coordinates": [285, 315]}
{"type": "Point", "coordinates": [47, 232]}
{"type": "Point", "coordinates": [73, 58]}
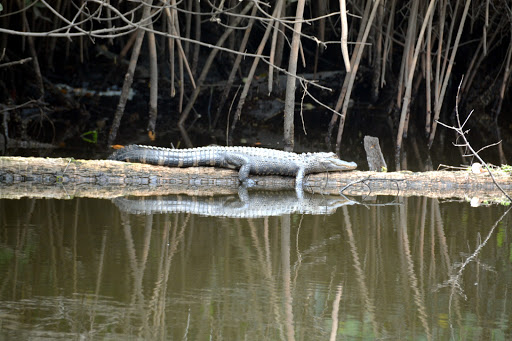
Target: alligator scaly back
{"type": "Point", "coordinates": [249, 160]}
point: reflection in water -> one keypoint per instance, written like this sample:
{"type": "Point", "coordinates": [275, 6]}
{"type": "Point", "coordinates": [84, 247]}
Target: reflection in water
{"type": "Point", "coordinates": [368, 306]}
{"type": "Point", "coordinates": [83, 269]}
{"type": "Point", "coordinates": [246, 204]}
{"type": "Point", "coordinates": [413, 281]}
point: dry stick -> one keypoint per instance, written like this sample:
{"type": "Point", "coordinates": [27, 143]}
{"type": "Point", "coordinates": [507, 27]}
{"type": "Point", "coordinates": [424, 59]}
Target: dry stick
{"type": "Point", "coordinates": [229, 113]}
{"type": "Point", "coordinates": [128, 78]}
{"type": "Point", "coordinates": [123, 30]}
{"type": "Point", "coordinates": [304, 86]}
{"type": "Point", "coordinates": [128, 45]}
{"type": "Point", "coordinates": [182, 59]}
{"type": "Point", "coordinates": [322, 10]}
{"type": "Point", "coordinates": [301, 50]}
{"type": "Point", "coordinates": [352, 74]}
{"type": "Point", "coordinates": [377, 69]}
{"type": "Point", "coordinates": [477, 60]}
{"type": "Point", "coordinates": [415, 88]}
{"type": "Point", "coordinates": [236, 66]}
{"type": "Point", "coordinates": [428, 78]}
{"type": "Point", "coordinates": [206, 68]}
{"type": "Point", "coordinates": [53, 40]}
{"type": "Point", "coordinates": [197, 36]}
{"type": "Point", "coordinates": [273, 46]}
{"type": "Point", "coordinates": [32, 49]}
{"type": "Point", "coordinates": [343, 92]}
{"type": "Point", "coordinates": [188, 24]}
{"type": "Point", "coordinates": [450, 33]}
{"type": "Point", "coordinates": [504, 85]}
{"type": "Point", "coordinates": [388, 44]}
{"type": "Point", "coordinates": [405, 68]}
{"type": "Point", "coordinates": [280, 40]}
{"type": "Point", "coordinates": [408, 86]}
{"type": "Point", "coordinates": [472, 69]}
{"type": "Point", "coordinates": [291, 81]}
{"type": "Point", "coordinates": [460, 131]}
{"type": "Point", "coordinates": [344, 35]}
{"type": "Point", "coordinates": [5, 22]}
{"type": "Point", "coordinates": [250, 76]}
{"type": "Point", "coordinates": [437, 108]}
{"type": "Point", "coordinates": [440, 31]}
{"type": "Point", "coordinates": [399, 88]}
{"type": "Point", "coordinates": [109, 24]}
{"type": "Point", "coordinates": [73, 23]}
{"type": "Point", "coordinates": [232, 40]}
{"type": "Point", "coordinates": [170, 41]}
{"type": "Point", "coordinates": [16, 62]}
{"type": "Point", "coordinates": [153, 84]}
{"type": "Point", "coordinates": [81, 40]}
{"type": "Point", "coordinates": [486, 25]}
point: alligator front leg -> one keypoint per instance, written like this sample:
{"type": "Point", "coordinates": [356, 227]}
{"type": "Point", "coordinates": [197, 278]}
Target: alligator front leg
{"type": "Point", "coordinates": [299, 183]}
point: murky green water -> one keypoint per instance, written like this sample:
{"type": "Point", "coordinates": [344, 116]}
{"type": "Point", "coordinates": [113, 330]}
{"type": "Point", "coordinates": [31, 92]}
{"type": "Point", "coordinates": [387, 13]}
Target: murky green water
{"type": "Point", "coordinates": [81, 269]}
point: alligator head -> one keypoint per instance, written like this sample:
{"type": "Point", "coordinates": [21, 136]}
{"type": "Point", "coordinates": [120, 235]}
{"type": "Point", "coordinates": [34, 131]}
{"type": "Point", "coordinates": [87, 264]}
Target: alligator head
{"type": "Point", "coordinates": [325, 162]}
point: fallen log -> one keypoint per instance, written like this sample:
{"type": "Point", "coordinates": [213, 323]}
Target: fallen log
{"type": "Point", "coordinates": [66, 178]}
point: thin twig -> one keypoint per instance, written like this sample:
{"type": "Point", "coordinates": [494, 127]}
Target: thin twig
{"type": "Point", "coordinates": [21, 61]}
{"type": "Point", "coordinates": [462, 134]}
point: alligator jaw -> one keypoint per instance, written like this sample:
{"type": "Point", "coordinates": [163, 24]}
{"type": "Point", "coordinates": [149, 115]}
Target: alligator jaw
{"type": "Point", "coordinates": [338, 164]}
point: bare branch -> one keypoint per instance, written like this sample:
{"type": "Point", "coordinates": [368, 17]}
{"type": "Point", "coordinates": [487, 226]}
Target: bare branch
{"type": "Point", "coordinates": [462, 134]}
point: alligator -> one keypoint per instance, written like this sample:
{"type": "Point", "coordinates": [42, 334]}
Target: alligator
{"type": "Point", "coordinates": [258, 204]}
{"type": "Point", "coordinates": [248, 160]}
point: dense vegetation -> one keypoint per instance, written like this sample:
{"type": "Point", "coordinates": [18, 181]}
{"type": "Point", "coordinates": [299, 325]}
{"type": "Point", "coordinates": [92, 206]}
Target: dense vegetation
{"type": "Point", "coordinates": [407, 54]}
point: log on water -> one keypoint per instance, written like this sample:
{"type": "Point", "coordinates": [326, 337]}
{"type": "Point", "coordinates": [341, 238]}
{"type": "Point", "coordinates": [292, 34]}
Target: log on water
{"type": "Point", "coordinates": [66, 178]}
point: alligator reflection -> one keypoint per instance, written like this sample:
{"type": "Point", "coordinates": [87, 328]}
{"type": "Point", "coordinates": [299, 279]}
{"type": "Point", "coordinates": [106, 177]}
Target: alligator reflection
{"type": "Point", "coordinates": [244, 205]}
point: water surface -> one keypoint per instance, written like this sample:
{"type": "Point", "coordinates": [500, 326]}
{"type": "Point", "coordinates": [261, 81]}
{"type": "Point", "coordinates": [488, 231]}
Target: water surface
{"type": "Point", "coordinates": [82, 269]}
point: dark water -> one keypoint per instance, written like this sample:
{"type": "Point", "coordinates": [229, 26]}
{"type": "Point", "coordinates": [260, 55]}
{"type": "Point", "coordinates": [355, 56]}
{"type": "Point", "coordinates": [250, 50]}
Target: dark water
{"type": "Point", "coordinates": [81, 269]}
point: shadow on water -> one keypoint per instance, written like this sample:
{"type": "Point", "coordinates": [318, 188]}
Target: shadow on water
{"type": "Point", "coordinates": [421, 269]}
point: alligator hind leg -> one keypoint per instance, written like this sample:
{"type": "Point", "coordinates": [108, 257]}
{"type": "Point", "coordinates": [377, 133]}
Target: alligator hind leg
{"type": "Point", "coordinates": [242, 162]}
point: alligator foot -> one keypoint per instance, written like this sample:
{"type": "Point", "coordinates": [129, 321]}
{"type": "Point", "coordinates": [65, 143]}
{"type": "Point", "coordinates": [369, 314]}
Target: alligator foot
{"type": "Point", "coordinates": [300, 193]}
{"type": "Point", "coordinates": [243, 194]}
{"type": "Point", "coordinates": [248, 183]}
